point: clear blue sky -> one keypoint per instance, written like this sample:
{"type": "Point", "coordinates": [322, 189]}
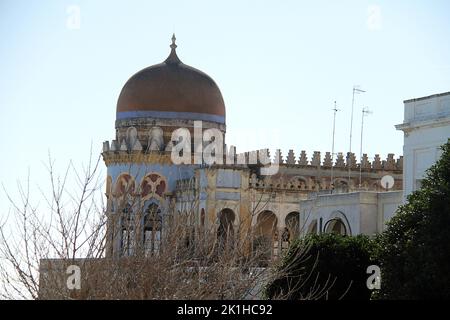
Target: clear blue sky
{"type": "Point", "coordinates": [279, 64]}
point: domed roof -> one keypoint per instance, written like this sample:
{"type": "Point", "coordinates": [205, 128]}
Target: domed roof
{"type": "Point", "coordinates": [171, 90]}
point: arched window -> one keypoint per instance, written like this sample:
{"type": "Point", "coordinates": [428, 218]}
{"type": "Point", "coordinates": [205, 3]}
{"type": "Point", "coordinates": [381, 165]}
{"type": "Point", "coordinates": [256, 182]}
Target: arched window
{"type": "Point", "coordinates": [292, 222]}
{"type": "Point", "coordinates": [291, 231]}
{"type": "Point", "coordinates": [266, 241]}
{"type": "Point", "coordinates": [152, 229]}
{"type": "Point", "coordinates": [128, 234]}
{"type": "Point", "coordinates": [225, 232]}
{"type": "Point", "coordinates": [336, 226]}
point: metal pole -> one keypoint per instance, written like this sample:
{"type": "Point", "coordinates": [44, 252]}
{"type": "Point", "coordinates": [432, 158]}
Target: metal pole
{"type": "Point", "coordinates": [364, 112]}
{"type": "Point", "coordinates": [351, 120]}
{"type": "Point", "coordinates": [355, 90]}
{"type": "Point", "coordinates": [332, 147]}
{"type": "Point", "coordinates": [360, 149]}
{"type": "Point", "coordinates": [351, 131]}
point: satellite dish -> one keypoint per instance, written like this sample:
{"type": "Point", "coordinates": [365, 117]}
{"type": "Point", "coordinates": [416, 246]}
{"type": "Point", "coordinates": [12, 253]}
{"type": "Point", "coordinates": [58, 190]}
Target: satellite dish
{"type": "Point", "coordinates": [387, 182]}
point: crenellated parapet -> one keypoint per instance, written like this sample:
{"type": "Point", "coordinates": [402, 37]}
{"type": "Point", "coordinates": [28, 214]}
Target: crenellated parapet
{"type": "Point", "coordinates": [137, 157]}
{"type": "Point", "coordinates": [130, 149]}
{"type": "Point", "coordinates": [340, 160]}
{"type": "Point", "coordinates": [312, 173]}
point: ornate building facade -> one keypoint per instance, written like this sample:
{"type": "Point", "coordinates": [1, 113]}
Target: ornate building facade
{"type": "Point", "coordinates": [170, 104]}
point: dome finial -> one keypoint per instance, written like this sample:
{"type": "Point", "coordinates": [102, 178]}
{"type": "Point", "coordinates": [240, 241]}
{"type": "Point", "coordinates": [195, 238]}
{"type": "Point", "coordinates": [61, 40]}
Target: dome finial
{"type": "Point", "coordinates": [173, 45]}
{"type": "Point", "coordinates": [173, 58]}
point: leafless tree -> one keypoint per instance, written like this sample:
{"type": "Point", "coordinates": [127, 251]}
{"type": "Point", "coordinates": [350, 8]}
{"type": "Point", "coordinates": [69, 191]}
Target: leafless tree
{"type": "Point", "coordinates": [71, 226]}
{"type": "Point", "coordinates": [189, 260]}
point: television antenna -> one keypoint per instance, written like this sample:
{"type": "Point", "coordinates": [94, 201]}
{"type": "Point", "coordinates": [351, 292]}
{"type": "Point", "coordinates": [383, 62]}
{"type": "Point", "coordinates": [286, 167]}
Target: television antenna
{"type": "Point", "coordinates": [335, 109]}
{"type": "Point", "coordinates": [356, 90]}
{"type": "Point", "coordinates": [365, 112]}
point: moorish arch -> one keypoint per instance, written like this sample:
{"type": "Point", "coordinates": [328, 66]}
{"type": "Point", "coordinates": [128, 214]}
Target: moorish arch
{"type": "Point", "coordinates": [266, 234]}
{"type": "Point", "coordinates": [338, 224]}
{"type": "Point", "coordinates": [127, 230]}
{"type": "Point", "coordinates": [125, 185]}
{"type": "Point", "coordinates": [152, 228]}
{"type": "Point", "coordinates": [292, 222]}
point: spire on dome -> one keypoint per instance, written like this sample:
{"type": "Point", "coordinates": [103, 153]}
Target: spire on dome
{"type": "Point", "coordinates": [173, 58]}
{"type": "Point", "coordinates": [173, 45]}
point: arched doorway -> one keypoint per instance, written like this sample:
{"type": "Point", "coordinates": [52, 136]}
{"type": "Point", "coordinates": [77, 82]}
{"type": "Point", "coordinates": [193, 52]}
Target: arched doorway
{"type": "Point", "coordinates": [225, 232]}
{"type": "Point", "coordinates": [266, 235]}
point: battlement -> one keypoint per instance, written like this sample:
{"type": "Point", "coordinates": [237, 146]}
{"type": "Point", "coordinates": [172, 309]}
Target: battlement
{"type": "Point", "coordinates": [121, 152]}
{"type": "Point", "coordinates": [315, 175]}
{"type": "Point", "coordinates": [340, 161]}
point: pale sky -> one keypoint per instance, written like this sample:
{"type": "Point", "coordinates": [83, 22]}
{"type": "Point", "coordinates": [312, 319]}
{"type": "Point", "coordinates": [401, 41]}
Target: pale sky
{"type": "Point", "coordinates": [280, 66]}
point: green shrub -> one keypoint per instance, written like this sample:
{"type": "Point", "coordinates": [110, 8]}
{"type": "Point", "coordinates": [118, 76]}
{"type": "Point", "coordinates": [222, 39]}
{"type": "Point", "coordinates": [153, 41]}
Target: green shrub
{"type": "Point", "coordinates": [414, 251]}
{"type": "Point", "coordinates": [332, 267]}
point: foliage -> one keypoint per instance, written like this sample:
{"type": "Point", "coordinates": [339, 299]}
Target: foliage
{"type": "Point", "coordinates": [414, 251]}
{"type": "Point", "coordinates": [335, 267]}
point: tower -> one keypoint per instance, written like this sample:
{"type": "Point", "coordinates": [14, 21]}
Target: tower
{"type": "Point", "coordinates": [153, 104]}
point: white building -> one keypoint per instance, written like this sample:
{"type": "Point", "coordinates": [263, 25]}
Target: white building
{"type": "Point", "coordinates": [426, 127]}
{"type": "Point", "coordinates": [350, 214]}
